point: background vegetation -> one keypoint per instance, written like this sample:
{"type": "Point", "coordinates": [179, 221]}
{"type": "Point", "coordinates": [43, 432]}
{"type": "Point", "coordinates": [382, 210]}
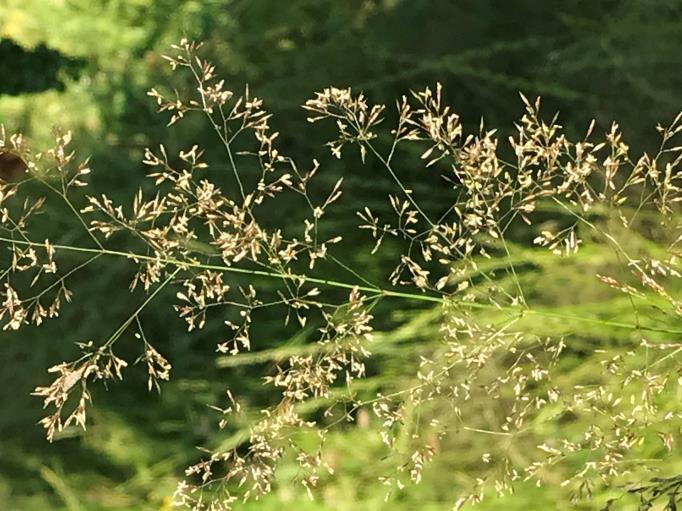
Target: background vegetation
{"type": "Point", "coordinates": [86, 65]}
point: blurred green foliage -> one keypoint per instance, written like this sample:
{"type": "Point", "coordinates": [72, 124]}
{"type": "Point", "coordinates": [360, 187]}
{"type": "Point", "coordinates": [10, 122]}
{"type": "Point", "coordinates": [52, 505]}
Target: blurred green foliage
{"type": "Point", "coordinates": [615, 59]}
{"type": "Point", "coordinates": [32, 70]}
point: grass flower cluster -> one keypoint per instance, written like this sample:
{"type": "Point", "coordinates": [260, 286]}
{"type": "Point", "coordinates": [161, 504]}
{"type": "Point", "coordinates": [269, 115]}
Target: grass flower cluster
{"type": "Point", "coordinates": [492, 373]}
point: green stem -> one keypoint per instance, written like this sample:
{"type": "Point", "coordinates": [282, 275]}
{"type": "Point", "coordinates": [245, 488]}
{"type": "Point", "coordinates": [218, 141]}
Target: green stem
{"type": "Point", "coordinates": [344, 285]}
{"type": "Point", "coordinates": [119, 331]}
{"type": "Point", "coordinates": [231, 269]}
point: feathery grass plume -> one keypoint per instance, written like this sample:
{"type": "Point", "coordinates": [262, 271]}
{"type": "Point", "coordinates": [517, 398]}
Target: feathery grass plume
{"type": "Point", "coordinates": [496, 371]}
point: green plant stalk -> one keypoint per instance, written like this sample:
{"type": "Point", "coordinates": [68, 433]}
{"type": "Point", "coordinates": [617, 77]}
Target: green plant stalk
{"type": "Point", "coordinates": [376, 291]}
